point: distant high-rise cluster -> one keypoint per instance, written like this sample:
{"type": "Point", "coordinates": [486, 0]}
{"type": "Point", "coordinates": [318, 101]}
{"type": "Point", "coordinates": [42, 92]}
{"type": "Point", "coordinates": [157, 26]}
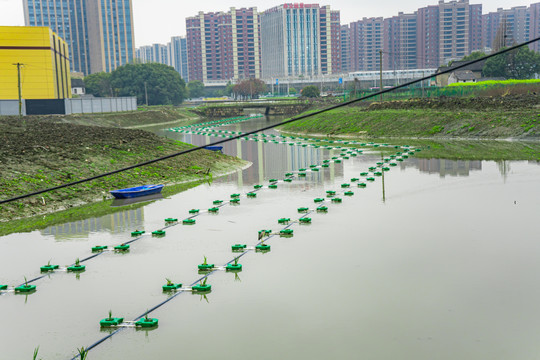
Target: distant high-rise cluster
{"type": "Point", "coordinates": [173, 54]}
{"type": "Point", "coordinates": [99, 33]}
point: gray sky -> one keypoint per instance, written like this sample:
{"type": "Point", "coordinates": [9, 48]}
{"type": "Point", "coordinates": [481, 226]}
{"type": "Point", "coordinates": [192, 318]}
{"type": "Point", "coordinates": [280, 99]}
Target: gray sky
{"type": "Point", "coordinates": [157, 20]}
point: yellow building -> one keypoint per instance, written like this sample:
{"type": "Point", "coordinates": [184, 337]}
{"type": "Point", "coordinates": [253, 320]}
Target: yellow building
{"type": "Point", "coordinates": [45, 63]}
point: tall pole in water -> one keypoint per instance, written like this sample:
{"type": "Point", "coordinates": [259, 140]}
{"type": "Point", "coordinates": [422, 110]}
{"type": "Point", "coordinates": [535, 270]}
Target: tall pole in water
{"type": "Point", "coordinates": [146, 93]}
{"type": "Point", "coordinates": [19, 87]}
{"type": "Point", "coordinates": [380, 67]}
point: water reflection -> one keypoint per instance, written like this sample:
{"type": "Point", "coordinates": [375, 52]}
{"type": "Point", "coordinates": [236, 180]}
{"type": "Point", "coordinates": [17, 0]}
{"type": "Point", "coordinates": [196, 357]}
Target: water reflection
{"type": "Point", "coordinates": [444, 167]}
{"type": "Point", "coordinates": [117, 222]}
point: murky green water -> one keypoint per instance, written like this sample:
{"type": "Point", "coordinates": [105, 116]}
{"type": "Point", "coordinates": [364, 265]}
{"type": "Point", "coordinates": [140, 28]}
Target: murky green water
{"type": "Point", "coordinates": [440, 262]}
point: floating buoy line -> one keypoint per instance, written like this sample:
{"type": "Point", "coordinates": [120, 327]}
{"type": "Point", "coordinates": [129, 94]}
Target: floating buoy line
{"type": "Point", "coordinates": [199, 286]}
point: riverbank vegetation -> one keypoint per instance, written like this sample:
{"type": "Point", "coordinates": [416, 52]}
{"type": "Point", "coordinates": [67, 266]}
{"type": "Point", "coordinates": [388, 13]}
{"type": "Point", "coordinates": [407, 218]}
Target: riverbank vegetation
{"type": "Point", "coordinates": [497, 117]}
{"type": "Point", "coordinates": [38, 154]}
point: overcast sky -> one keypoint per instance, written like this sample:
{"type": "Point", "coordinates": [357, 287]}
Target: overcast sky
{"type": "Point", "coordinates": [157, 20]}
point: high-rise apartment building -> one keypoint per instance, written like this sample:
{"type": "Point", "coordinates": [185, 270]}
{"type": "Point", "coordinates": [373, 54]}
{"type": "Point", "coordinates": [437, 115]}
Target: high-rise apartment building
{"type": "Point", "coordinates": [99, 32]}
{"type": "Point", "coordinates": [224, 45]}
{"type": "Point", "coordinates": [178, 57]}
{"type": "Point", "coordinates": [453, 30]}
{"type": "Point", "coordinates": [512, 24]}
{"type": "Point", "coordinates": [475, 28]}
{"type": "Point", "coordinates": [330, 40]}
{"type": "Point", "coordinates": [534, 26]}
{"type": "Point", "coordinates": [399, 44]}
{"type": "Point", "coordinates": [366, 42]}
{"type": "Point", "coordinates": [300, 40]}
{"type": "Point", "coordinates": [428, 37]}
{"type": "Point", "coordinates": [345, 48]}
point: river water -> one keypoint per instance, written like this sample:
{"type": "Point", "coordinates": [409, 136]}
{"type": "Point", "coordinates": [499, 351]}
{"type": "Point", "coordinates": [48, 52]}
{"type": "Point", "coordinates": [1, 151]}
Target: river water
{"type": "Point", "coordinates": [438, 259]}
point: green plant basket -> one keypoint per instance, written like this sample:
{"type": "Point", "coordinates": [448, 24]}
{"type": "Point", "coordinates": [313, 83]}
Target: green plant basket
{"type": "Point", "coordinates": [137, 233]}
{"type": "Point", "coordinates": [370, 179]}
{"type": "Point", "coordinates": [201, 288]}
{"type": "Point", "coordinates": [158, 233]}
{"type": "Point", "coordinates": [235, 196]}
{"type": "Point", "coordinates": [147, 323]}
{"type": "Point", "coordinates": [262, 247]}
{"type": "Point", "coordinates": [355, 179]}
{"type": "Point", "coordinates": [123, 247]}
{"type": "Point", "coordinates": [194, 211]}
{"type": "Point", "coordinates": [393, 164]}
{"type": "Point", "coordinates": [303, 169]}
{"type": "Point", "coordinates": [302, 174]}
{"type": "Point", "coordinates": [232, 267]}
{"type": "Point", "coordinates": [188, 222]}
{"type": "Point", "coordinates": [3, 287]}
{"type": "Point", "coordinates": [99, 248]}
{"type": "Point", "coordinates": [286, 232]}
{"type": "Point", "coordinates": [273, 186]}
{"type": "Point", "coordinates": [348, 193]}
{"type": "Point", "coordinates": [257, 186]}
{"type": "Point", "coordinates": [303, 209]}
{"type": "Point", "coordinates": [47, 268]}
{"type": "Point", "coordinates": [284, 220]}
{"type": "Point", "coordinates": [273, 180]}
{"type": "Point", "coordinates": [325, 165]}
{"type": "Point", "coordinates": [235, 201]}
{"type": "Point", "coordinates": [399, 159]}
{"type": "Point", "coordinates": [288, 174]}
{"type": "Point", "coordinates": [171, 287]}
{"type": "Point", "coordinates": [318, 200]}
{"type": "Point", "coordinates": [25, 288]}
{"type": "Point", "coordinates": [315, 169]}
{"type": "Point", "coordinates": [337, 161]}
{"type": "Point", "coordinates": [337, 200]}
{"type": "Point", "coordinates": [76, 268]}
{"type": "Point", "coordinates": [111, 322]}
{"type": "Point", "coordinates": [326, 161]}
{"type": "Point", "coordinates": [287, 180]}
{"type": "Point", "coordinates": [251, 195]}
{"type": "Point", "coordinates": [343, 186]}
{"type": "Point", "coordinates": [362, 185]}
{"type": "Point", "coordinates": [364, 174]}
{"type": "Point", "coordinates": [171, 220]}
{"type": "Point", "coordinates": [205, 267]}
{"type": "Point", "coordinates": [213, 210]}
{"type": "Point", "coordinates": [238, 247]}
{"type": "Point", "coordinates": [217, 202]}
{"type": "Point", "coordinates": [305, 220]}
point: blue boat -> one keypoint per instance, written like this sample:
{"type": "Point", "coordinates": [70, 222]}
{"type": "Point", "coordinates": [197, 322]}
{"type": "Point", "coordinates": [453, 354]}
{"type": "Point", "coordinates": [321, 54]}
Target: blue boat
{"type": "Point", "coordinates": [137, 191]}
{"type": "Point", "coordinates": [214, 148]}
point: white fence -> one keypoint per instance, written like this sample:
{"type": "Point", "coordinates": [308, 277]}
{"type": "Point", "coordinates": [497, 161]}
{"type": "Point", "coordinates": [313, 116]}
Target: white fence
{"type": "Point", "coordinates": [11, 107]}
{"type": "Point", "coordinates": [100, 105]}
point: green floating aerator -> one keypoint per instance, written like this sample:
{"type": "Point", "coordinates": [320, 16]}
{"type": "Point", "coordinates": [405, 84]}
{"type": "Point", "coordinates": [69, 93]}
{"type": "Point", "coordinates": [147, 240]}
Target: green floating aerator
{"type": "Point", "coordinates": [286, 232]}
{"type": "Point", "coordinates": [238, 247]}
{"type": "Point", "coordinates": [122, 247]}
{"type": "Point", "coordinates": [305, 220]}
{"type": "Point", "coordinates": [158, 233]}
{"type": "Point", "coordinates": [213, 210]}
{"type": "Point", "coordinates": [137, 233]}
{"type": "Point", "coordinates": [188, 221]}
{"type": "Point", "coordinates": [171, 220]}
{"type": "Point", "coordinates": [48, 267]}
{"type": "Point", "coordinates": [111, 321]}
{"type": "Point", "coordinates": [284, 220]}
{"type": "Point", "coordinates": [194, 211]}
{"type": "Point", "coordinates": [303, 209]}
{"type": "Point", "coordinates": [99, 248]}
{"type": "Point", "coordinates": [251, 195]}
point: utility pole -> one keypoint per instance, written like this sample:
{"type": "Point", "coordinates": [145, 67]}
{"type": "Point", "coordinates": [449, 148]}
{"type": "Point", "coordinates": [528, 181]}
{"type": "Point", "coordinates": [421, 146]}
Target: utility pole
{"type": "Point", "coordinates": [380, 66]}
{"type": "Point", "coordinates": [19, 86]}
{"type": "Point", "coordinates": [146, 94]}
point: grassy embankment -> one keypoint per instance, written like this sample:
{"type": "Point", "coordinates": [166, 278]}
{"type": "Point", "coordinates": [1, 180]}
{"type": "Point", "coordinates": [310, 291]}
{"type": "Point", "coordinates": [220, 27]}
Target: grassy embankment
{"type": "Point", "coordinates": [48, 151]}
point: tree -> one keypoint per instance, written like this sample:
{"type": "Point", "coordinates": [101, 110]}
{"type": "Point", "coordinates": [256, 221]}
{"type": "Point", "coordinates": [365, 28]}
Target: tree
{"type": "Point", "coordinates": [251, 88]}
{"type": "Point", "coordinates": [292, 91]}
{"type": "Point", "coordinates": [474, 55]}
{"type": "Point", "coordinates": [522, 63]}
{"type": "Point", "coordinates": [98, 84]}
{"type": "Point", "coordinates": [195, 89]}
{"type": "Point", "coordinates": [311, 91]}
{"type": "Point", "coordinates": [164, 85]}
